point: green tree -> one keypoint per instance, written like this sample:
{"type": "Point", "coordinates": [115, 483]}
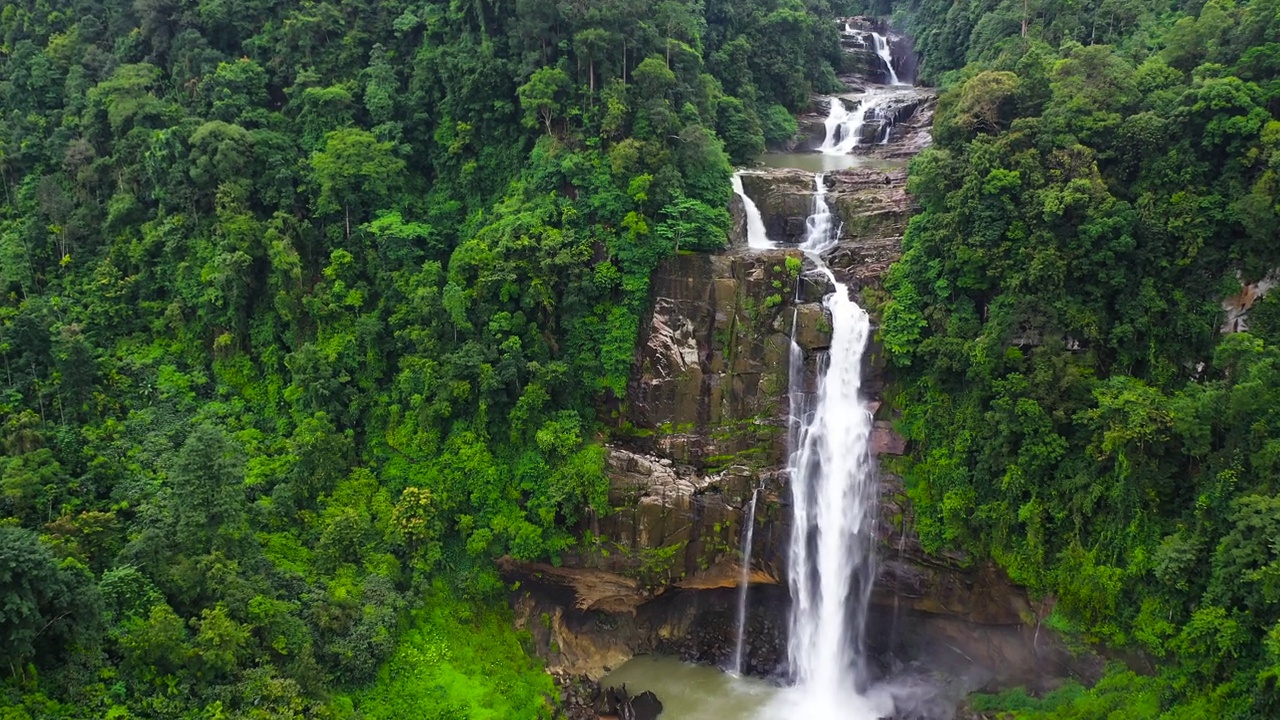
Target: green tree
{"type": "Point", "coordinates": [354, 169]}
{"type": "Point", "coordinates": [207, 494]}
{"type": "Point", "coordinates": [44, 605]}
{"type": "Point", "coordinates": [542, 98]}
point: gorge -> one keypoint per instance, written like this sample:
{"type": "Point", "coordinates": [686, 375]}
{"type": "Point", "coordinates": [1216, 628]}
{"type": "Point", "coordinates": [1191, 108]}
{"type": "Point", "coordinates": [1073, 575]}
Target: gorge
{"type": "Point", "coordinates": [748, 460]}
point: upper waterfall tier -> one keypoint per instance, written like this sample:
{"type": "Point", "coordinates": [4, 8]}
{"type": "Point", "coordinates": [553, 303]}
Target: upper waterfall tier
{"type": "Point", "coordinates": [876, 53]}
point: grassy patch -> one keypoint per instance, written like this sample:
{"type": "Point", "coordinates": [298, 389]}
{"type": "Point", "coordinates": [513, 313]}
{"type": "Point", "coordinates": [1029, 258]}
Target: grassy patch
{"type": "Point", "coordinates": [456, 661]}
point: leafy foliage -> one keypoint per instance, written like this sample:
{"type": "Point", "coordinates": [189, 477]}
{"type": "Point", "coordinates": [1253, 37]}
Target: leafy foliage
{"type": "Point", "coordinates": [1079, 411]}
{"type": "Point", "coordinates": [304, 306]}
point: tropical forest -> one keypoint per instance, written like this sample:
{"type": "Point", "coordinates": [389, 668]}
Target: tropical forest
{"type": "Point", "coordinates": [693, 359]}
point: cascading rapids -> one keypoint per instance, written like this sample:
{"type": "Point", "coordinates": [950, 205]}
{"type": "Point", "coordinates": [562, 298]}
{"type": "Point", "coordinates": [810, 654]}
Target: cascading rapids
{"type": "Point", "coordinates": [831, 564]}
{"type": "Point", "coordinates": [844, 127]}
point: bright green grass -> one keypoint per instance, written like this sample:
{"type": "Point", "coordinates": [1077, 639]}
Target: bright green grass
{"type": "Point", "coordinates": [458, 662]}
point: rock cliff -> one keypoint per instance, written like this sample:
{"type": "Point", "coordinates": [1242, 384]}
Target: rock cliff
{"type": "Point", "coordinates": [705, 424]}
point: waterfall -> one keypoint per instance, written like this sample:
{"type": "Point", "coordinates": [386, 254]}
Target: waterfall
{"type": "Point", "coordinates": [831, 564]}
{"type": "Point", "coordinates": [887, 121]}
{"type": "Point", "coordinates": [749, 537]}
{"type": "Point", "coordinates": [757, 236]}
{"type": "Point", "coordinates": [844, 128]}
{"type": "Point", "coordinates": [886, 54]}
{"type": "Point", "coordinates": [838, 118]}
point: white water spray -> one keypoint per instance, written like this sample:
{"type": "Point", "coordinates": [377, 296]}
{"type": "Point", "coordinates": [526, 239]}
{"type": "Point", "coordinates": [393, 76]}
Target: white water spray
{"type": "Point", "coordinates": [757, 236]}
{"type": "Point", "coordinates": [739, 662]}
{"type": "Point", "coordinates": [844, 128]}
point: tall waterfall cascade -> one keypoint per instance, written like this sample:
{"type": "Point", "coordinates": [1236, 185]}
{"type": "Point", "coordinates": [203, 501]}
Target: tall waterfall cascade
{"type": "Point", "coordinates": [831, 565]}
{"type": "Point", "coordinates": [880, 44]}
{"type": "Point", "coordinates": [883, 50]}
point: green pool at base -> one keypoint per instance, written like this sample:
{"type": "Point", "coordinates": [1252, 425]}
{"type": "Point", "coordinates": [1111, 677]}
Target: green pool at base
{"type": "Point", "coordinates": [699, 692]}
{"type": "Point", "coordinates": [693, 692]}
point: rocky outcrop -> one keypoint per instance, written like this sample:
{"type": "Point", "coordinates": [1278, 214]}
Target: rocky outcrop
{"type": "Point", "coordinates": [585, 699]}
{"type": "Point", "coordinates": [1236, 307]}
{"type": "Point", "coordinates": [911, 131]}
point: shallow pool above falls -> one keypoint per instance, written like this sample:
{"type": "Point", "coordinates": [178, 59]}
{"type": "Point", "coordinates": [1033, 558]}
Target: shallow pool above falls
{"type": "Point", "coordinates": [821, 163]}
{"type": "Point", "coordinates": [699, 692]}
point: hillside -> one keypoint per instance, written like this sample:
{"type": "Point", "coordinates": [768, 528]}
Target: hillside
{"type": "Point", "coordinates": [1085, 347]}
{"type": "Point", "coordinates": [307, 312]}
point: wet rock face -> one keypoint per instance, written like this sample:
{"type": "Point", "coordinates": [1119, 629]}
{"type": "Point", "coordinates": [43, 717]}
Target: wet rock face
{"type": "Point", "coordinates": [872, 205]}
{"type": "Point", "coordinates": [694, 625]}
{"type": "Point", "coordinates": [672, 526]}
{"type": "Point", "coordinates": [709, 387]}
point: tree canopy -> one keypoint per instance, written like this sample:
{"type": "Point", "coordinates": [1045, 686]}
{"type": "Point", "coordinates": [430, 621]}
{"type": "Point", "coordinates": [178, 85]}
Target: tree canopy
{"type": "Point", "coordinates": [306, 311]}
{"type": "Point", "coordinates": [1081, 409]}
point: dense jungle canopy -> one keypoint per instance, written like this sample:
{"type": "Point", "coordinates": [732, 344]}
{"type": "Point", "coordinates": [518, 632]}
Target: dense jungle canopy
{"type": "Point", "coordinates": [308, 308]}
{"type": "Point", "coordinates": [1082, 410]}
{"type": "Point", "coordinates": [311, 309]}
